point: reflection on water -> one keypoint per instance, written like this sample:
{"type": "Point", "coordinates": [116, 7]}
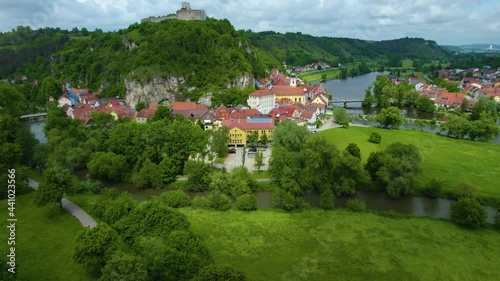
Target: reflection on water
{"type": "Point", "coordinates": [37, 129]}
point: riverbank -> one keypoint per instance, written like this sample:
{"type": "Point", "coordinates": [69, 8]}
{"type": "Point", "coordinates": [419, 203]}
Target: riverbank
{"type": "Point", "coordinates": [313, 244]}
{"type": "Point", "coordinates": [449, 159]}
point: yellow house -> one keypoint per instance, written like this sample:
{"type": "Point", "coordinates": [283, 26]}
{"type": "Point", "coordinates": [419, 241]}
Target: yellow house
{"type": "Point", "coordinates": [239, 129]}
{"type": "Point", "coordinates": [295, 94]}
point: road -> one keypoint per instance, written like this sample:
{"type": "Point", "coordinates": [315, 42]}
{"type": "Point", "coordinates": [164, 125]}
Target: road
{"type": "Point", "coordinates": [77, 212]}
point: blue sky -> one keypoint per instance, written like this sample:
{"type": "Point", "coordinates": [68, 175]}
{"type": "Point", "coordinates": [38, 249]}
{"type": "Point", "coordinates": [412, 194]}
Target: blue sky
{"type": "Point", "coordinates": [448, 22]}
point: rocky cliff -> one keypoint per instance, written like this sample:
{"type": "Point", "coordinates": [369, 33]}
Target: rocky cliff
{"type": "Point", "coordinates": [157, 90]}
{"type": "Point", "coordinates": [154, 91]}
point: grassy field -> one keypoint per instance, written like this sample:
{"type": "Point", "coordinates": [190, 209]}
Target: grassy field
{"type": "Point", "coordinates": [450, 159]}
{"type": "Point", "coordinates": [407, 64]}
{"type": "Point", "coordinates": [342, 245]}
{"type": "Point", "coordinates": [45, 238]}
{"type": "Point", "coordinates": [316, 75]}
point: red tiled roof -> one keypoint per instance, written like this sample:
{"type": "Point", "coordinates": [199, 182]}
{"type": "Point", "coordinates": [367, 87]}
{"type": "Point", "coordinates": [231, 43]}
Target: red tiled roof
{"type": "Point", "coordinates": [244, 125]}
{"type": "Point", "coordinates": [307, 114]}
{"type": "Point", "coordinates": [281, 90]}
{"type": "Point", "coordinates": [261, 93]}
{"type": "Point", "coordinates": [183, 105]}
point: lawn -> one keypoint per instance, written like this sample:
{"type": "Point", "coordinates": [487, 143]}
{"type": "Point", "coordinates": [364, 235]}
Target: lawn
{"type": "Point", "coordinates": [450, 159]}
{"type": "Point", "coordinates": [316, 75]}
{"type": "Point", "coordinates": [341, 245]}
{"type": "Point", "coordinates": [407, 64]}
{"type": "Point", "coordinates": [45, 238]}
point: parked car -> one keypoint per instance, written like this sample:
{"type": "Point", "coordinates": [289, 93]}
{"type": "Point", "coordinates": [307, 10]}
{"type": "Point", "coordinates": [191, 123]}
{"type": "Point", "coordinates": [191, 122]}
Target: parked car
{"type": "Point", "coordinates": [262, 148]}
{"type": "Point", "coordinates": [232, 150]}
{"type": "Point", "coordinates": [252, 150]}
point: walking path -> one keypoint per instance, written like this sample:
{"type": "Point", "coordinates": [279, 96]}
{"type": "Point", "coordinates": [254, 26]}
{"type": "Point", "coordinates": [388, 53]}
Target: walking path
{"type": "Point", "coordinates": [77, 212]}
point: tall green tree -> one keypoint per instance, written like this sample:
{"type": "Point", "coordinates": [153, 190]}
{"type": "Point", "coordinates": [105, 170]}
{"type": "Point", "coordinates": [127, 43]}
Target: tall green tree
{"type": "Point", "coordinates": [12, 102]}
{"type": "Point", "coordinates": [56, 182]}
{"type": "Point", "coordinates": [259, 160]}
{"type": "Point", "coordinates": [95, 246]}
{"type": "Point", "coordinates": [51, 88]}
{"type": "Point", "coordinates": [220, 139]}
{"type": "Point", "coordinates": [390, 118]}
{"type": "Point", "coordinates": [124, 266]}
{"type": "Point", "coordinates": [341, 117]}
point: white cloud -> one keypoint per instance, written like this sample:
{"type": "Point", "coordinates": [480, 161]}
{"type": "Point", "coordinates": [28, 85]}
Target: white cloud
{"type": "Point", "coordinates": [445, 21]}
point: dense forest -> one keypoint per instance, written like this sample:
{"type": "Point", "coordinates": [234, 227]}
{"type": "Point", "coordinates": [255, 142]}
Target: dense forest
{"type": "Point", "coordinates": [301, 49]}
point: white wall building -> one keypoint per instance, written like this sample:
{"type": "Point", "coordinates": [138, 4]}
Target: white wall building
{"type": "Point", "coordinates": [263, 100]}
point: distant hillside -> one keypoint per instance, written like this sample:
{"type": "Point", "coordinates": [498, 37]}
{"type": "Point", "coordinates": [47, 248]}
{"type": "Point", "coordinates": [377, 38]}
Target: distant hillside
{"type": "Point", "coordinates": [474, 48]}
{"type": "Point", "coordinates": [25, 45]}
{"type": "Point", "coordinates": [301, 49]}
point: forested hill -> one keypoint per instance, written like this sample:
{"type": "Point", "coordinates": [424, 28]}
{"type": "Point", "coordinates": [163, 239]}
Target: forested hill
{"type": "Point", "coordinates": [207, 54]}
{"type": "Point", "coordinates": [301, 49]}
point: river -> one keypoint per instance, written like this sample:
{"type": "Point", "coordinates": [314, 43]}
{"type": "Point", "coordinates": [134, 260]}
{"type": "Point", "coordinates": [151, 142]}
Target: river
{"type": "Point", "coordinates": [355, 87]}
{"type": "Point", "coordinates": [414, 205]}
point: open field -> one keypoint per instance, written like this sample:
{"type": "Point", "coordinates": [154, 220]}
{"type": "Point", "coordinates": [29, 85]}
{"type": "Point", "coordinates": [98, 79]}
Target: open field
{"type": "Point", "coordinates": [45, 238]}
{"type": "Point", "coordinates": [342, 245]}
{"type": "Point", "coordinates": [316, 75]}
{"type": "Point", "coordinates": [450, 159]}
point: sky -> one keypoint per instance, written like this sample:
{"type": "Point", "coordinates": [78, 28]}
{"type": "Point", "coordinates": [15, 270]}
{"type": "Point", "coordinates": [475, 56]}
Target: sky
{"type": "Point", "coordinates": [448, 22]}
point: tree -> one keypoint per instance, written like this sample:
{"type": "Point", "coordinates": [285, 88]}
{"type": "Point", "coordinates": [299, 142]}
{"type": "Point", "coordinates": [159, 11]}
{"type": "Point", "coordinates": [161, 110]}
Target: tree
{"type": "Point", "coordinates": [219, 201]}
{"type": "Point", "coordinates": [253, 138]}
{"type": "Point", "coordinates": [198, 174]}
{"type": "Point", "coordinates": [246, 202]}
{"type": "Point", "coordinates": [162, 113]}
{"type": "Point", "coordinates": [175, 199]}
{"type": "Point", "coordinates": [464, 106]}
{"type": "Point", "coordinates": [168, 170]}
{"type": "Point", "coordinates": [259, 160]}
{"type": "Point", "coordinates": [124, 266]}
{"type": "Point", "coordinates": [152, 218]}
{"type": "Point", "coordinates": [353, 150]}
{"type": "Point", "coordinates": [220, 182]}
{"type": "Point", "coordinates": [140, 106]}
{"type": "Point", "coordinates": [368, 100]}
{"type": "Point", "coordinates": [390, 117]}
{"type": "Point", "coordinates": [220, 273]}
{"type": "Point", "coordinates": [468, 212]}
{"type": "Point", "coordinates": [51, 88]}
{"type": "Point", "coordinates": [395, 168]}
{"type": "Point", "coordinates": [113, 205]}
{"type": "Point", "coordinates": [12, 102]}
{"type": "Point", "coordinates": [220, 139]}
{"type": "Point", "coordinates": [290, 136]}
{"type": "Point", "coordinates": [149, 176]}
{"type": "Point", "coordinates": [433, 188]}
{"type": "Point", "coordinates": [456, 126]}
{"type": "Point", "coordinates": [375, 137]}
{"type": "Point", "coordinates": [425, 104]}
{"type": "Point", "coordinates": [341, 117]}
{"type": "Point", "coordinates": [27, 144]}
{"type": "Point", "coordinates": [326, 199]}
{"type": "Point", "coordinates": [107, 165]}
{"type": "Point", "coordinates": [241, 182]}
{"type": "Point", "coordinates": [56, 182]}
{"type": "Point", "coordinates": [263, 140]}
{"type": "Point", "coordinates": [95, 246]}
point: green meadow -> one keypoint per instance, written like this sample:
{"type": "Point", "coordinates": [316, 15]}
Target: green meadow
{"type": "Point", "coordinates": [313, 244]}
{"type": "Point", "coordinates": [45, 239]}
{"type": "Point", "coordinates": [449, 159]}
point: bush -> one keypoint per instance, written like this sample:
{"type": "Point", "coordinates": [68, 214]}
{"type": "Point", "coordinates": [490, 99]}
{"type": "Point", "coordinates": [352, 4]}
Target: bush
{"type": "Point", "coordinates": [375, 137]}
{"type": "Point", "coordinates": [220, 272]}
{"type": "Point", "coordinates": [219, 201]}
{"type": "Point", "coordinates": [246, 202]}
{"type": "Point", "coordinates": [433, 188]}
{"type": "Point", "coordinates": [465, 190]}
{"type": "Point", "coordinates": [175, 199]}
{"type": "Point", "coordinates": [356, 205]}
{"type": "Point", "coordinates": [285, 200]}
{"type": "Point", "coordinates": [468, 212]}
{"type": "Point", "coordinates": [199, 202]}
{"type": "Point", "coordinates": [326, 199]}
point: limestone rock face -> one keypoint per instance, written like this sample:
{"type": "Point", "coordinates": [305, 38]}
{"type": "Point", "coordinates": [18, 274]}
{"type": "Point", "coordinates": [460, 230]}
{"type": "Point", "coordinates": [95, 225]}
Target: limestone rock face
{"type": "Point", "coordinates": [154, 91]}
{"type": "Point", "coordinates": [242, 82]}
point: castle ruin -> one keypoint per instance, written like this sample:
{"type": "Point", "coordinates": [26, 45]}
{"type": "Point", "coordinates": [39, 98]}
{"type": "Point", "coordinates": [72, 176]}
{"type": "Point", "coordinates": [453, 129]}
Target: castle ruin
{"type": "Point", "coordinates": [185, 13]}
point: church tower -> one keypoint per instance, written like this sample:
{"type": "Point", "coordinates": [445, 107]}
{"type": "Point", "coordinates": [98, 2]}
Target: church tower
{"type": "Point", "coordinates": [293, 80]}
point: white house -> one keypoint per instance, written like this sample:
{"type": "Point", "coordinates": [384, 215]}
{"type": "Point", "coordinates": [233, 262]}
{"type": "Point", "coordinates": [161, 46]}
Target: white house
{"type": "Point", "coordinates": [263, 100]}
{"type": "Point", "coordinates": [63, 100]}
